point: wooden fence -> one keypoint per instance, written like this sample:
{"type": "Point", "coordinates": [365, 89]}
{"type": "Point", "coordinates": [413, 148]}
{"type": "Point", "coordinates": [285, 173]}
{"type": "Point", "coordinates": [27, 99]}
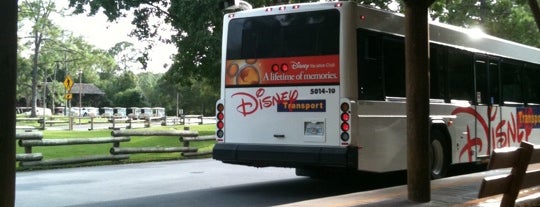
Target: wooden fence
{"type": "Point", "coordinates": [116, 123]}
{"type": "Point", "coordinates": [117, 153]}
{"type": "Point", "coordinates": [129, 123]}
{"type": "Point", "coordinates": [184, 136]}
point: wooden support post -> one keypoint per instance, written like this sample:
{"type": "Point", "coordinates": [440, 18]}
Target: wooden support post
{"type": "Point", "coordinates": [417, 87]}
{"type": "Point", "coordinates": [185, 143]}
{"type": "Point", "coordinates": [8, 81]}
{"type": "Point", "coordinates": [164, 121]}
{"type": "Point", "coordinates": [42, 125]}
{"type": "Point", "coordinates": [91, 123]}
{"type": "Point", "coordinates": [28, 149]}
{"type": "Point", "coordinates": [130, 120]}
{"type": "Point", "coordinates": [116, 144]}
{"type": "Point", "coordinates": [71, 123]}
{"type": "Point", "coordinates": [147, 122]}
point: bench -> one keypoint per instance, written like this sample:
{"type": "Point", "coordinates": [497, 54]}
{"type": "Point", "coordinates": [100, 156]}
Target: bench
{"type": "Point", "coordinates": [510, 184]}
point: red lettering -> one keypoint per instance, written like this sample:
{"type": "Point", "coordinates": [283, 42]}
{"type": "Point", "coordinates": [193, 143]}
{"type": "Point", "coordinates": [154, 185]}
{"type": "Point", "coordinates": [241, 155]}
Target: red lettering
{"type": "Point", "coordinates": [251, 103]}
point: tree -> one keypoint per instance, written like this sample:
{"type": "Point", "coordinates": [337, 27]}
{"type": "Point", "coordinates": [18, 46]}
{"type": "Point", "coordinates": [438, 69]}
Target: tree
{"type": "Point", "coordinates": [24, 70]}
{"type": "Point", "coordinates": [147, 82]}
{"type": "Point", "coordinates": [130, 97]}
{"type": "Point", "coordinates": [55, 53]}
{"type": "Point", "coordinates": [493, 16]}
{"type": "Point", "coordinates": [38, 13]}
{"type": "Point", "coordinates": [126, 54]}
{"type": "Point", "coordinates": [122, 89]}
{"type": "Point", "coordinates": [535, 9]}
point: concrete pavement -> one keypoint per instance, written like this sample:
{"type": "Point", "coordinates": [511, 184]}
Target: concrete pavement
{"type": "Point", "coordinates": [452, 191]}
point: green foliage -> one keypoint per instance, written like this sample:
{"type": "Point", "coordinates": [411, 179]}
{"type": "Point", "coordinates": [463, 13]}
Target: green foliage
{"type": "Point", "coordinates": [130, 97]}
{"type": "Point", "coordinates": [147, 82]}
{"type": "Point", "coordinates": [126, 54]}
{"type": "Point", "coordinates": [55, 54]}
{"type": "Point", "coordinates": [493, 16]}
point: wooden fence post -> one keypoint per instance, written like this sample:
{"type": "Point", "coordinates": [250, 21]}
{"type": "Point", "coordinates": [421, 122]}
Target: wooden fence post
{"type": "Point", "coordinates": [71, 118]}
{"type": "Point", "coordinates": [185, 143]}
{"type": "Point", "coordinates": [91, 123]}
{"type": "Point", "coordinates": [147, 122]}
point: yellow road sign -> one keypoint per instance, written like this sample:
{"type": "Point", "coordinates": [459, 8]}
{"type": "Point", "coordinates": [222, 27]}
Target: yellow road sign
{"type": "Point", "coordinates": [68, 96]}
{"type": "Point", "coordinates": [68, 83]}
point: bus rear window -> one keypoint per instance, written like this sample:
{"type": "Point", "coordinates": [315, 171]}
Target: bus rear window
{"type": "Point", "coordinates": [286, 35]}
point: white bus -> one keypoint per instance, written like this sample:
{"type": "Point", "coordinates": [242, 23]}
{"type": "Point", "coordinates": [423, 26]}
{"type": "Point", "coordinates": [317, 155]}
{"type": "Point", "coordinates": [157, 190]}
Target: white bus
{"type": "Point", "coordinates": [322, 85]}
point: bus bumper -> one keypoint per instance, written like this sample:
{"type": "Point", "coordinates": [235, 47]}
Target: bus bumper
{"type": "Point", "coordinates": [285, 156]}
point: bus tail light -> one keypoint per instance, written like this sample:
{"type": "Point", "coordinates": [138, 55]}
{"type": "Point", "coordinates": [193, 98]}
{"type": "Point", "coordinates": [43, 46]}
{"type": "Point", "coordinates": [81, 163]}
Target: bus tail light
{"type": "Point", "coordinates": [345, 118]}
{"type": "Point", "coordinates": [220, 118]}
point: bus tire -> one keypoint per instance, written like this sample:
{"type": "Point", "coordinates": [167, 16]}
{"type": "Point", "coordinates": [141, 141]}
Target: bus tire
{"type": "Point", "coordinates": [439, 154]}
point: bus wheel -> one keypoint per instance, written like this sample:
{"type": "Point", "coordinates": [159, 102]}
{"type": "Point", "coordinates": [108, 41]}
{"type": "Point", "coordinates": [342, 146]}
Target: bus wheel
{"type": "Point", "coordinates": [440, 154]}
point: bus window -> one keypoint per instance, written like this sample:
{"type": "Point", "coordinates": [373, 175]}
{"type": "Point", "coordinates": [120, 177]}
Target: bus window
{"type": "Point", "coordinates": [460, 75]}
{"type": "Point", "coordinates": [372, 47]}
{"type": "Point", "coordinates": [369, 66]}
{"type": "Point", "coordinates": [531, 76]}
{"type": "Point", "coordinates": [287, 35]}
{"type": "Point", "coordinates": [494, 91]}
{"type": "Point", "coordinates": [394, 66]}
{"type": "Point", "coordinates": [511, 82]}
{"type": "Point", "coordinates": [486, 80]}
{"type": "Point", "coordinates": [437, 73]}
{"type": "Point", "coordinates": [481, 78]}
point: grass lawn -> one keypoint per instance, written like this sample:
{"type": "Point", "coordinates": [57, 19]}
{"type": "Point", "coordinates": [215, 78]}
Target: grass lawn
{"type": "Point", "coordinates": [66, 151]}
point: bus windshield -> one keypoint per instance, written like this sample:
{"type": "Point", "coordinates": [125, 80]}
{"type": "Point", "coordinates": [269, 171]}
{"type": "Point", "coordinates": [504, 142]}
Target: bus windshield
{"type": "Point", "coordinates": [286, 35]}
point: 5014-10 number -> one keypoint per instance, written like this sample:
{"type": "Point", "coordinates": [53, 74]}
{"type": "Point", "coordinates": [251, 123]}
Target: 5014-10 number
{"type": "Point", "coordinates": [322, 91]}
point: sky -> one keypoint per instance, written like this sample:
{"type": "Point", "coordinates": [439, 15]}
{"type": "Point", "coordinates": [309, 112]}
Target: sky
{"type": "Point", "coordinates": [97, 31]}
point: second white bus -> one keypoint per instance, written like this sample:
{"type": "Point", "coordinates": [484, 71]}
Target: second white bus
{"type": "Point", "coordinates": [322, 85]}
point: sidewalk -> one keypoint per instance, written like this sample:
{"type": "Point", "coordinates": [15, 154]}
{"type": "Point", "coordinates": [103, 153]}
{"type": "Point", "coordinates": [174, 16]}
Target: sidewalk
{"type": "Point", "coordinates": [453, 191]}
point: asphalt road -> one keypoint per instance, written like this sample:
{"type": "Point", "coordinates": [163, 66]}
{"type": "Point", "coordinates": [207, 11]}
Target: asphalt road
{"type": "Point", "coordinates": [203, 182]}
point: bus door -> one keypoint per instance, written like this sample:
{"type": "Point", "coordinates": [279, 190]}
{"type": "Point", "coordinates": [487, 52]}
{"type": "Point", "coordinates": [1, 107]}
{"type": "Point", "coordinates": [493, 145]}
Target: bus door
{"type": "Point", "coordinates": [486, 102]}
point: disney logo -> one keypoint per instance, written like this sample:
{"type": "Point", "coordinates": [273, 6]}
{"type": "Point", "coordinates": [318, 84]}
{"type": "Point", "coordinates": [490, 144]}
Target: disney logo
{"type": "Point", "coordinates": [251, 103]}
{"type": "Point", "coordinates": [299, 65]}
